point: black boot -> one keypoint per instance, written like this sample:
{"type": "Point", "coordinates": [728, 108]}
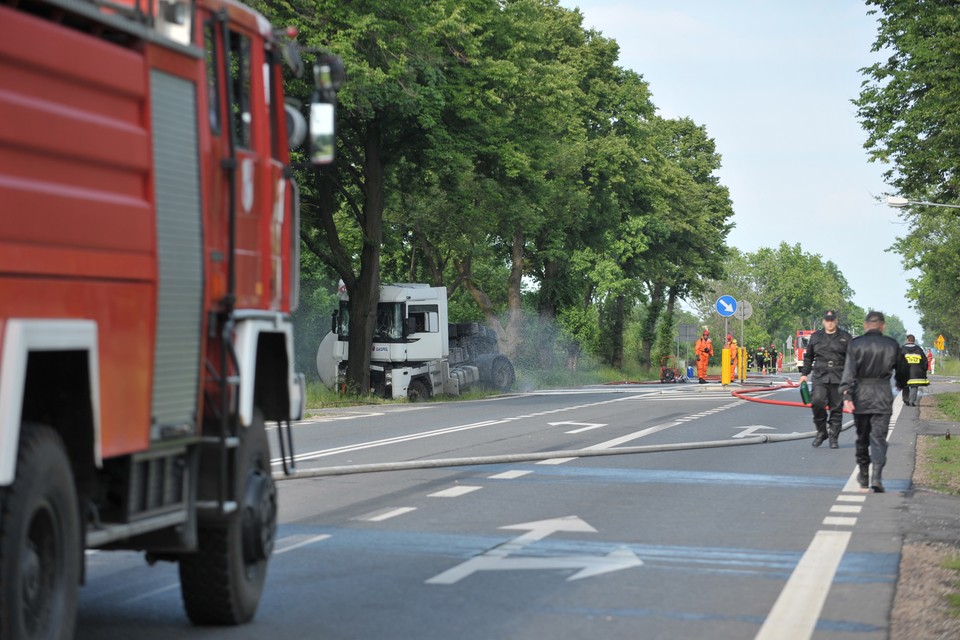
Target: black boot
{"type": "Point", "coordinates": [863, 476]}
{"type": "Point", "coordinates": [877, 482]}
{"type": "Point", "coordinates": [834, 434]}
{"type": "Point", "coordinates": [702, 381]}
{"type": "Point", "coordinates": [820, 437]}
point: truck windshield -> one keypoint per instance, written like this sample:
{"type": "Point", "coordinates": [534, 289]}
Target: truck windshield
{"type": "Point", "coordinates": [389, 322]}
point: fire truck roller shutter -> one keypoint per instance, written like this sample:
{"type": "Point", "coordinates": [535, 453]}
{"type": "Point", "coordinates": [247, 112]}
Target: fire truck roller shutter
{"type": "Point", "coordinates": [177, 357]}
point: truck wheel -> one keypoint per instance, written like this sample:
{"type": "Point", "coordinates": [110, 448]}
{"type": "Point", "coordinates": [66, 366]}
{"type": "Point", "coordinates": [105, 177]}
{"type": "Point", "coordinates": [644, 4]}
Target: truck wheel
{"type": "Point", "coordinates": [221, 583]}
{"type": "Point", "coordinates": [502, 374]}
{"type": "Point", "coordinates": [418, 391]}
{"type": "Point", "coordinates": [39, 541]}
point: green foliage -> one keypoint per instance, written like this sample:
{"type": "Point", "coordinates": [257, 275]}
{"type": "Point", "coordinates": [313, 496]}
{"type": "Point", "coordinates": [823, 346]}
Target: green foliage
{"type": "Point", "coordinates": [949, 404]}
{"type": "Point", "coordinates": [908, 105]}
{"type": "Point", "coordinates": [788, 290]}
{"type": "Point", "coordinates": [498, 149]}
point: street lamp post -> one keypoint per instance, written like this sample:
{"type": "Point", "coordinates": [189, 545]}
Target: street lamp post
{"type": "Point", "coordinates": [899, 202]}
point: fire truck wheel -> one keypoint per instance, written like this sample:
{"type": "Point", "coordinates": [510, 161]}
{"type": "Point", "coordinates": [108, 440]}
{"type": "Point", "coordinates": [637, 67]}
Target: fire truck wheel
{"type": "Point", "coordinates": [502, 373]}
{"type": "Point", "coordinates": [221, 584]}
{"type": "Point", "coordinates": [418, 391]}
{"type": "Point", "coordinates": [40, 554]}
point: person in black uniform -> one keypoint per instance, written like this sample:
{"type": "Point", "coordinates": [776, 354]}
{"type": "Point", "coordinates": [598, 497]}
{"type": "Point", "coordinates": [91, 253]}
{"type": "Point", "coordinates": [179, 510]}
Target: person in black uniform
{"type": "Point", "coordinates": [916, 362]}
{"type": "Point", "coordinates": [824, 357]}
{"type": "Point", "coordinates": [871, 360]}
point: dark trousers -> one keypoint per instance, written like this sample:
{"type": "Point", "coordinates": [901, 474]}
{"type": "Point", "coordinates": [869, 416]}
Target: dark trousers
{"type": "Point", "coordinates": [872, 437]}
{"type": "Point", "coordinates": [823, 395]}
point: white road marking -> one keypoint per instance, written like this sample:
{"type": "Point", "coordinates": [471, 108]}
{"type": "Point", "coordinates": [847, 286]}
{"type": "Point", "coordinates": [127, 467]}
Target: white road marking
{"type": "Point", "coordinates": [454, 492]}
{"type": "Point", "coordinates": [839, 521]}
{"type": "Point", "coordinates": [386, 515]}
{"type": "Point", "coordinates": [500, 558]}
{"type": "Point", "coordinates": [555, 461]}
{"type": "Point", "coordinates": [796, 611]}
{"type": "Point", "coordinates": [609, 444]}
{"type": "Point", "coordinates": [301, 543]}
{"type": "Point", "coordinates": [510, 475]}
{"type": "Point", "coordinates": [845, 508]}
{"type": "Point", "coordinates": [313, 455]}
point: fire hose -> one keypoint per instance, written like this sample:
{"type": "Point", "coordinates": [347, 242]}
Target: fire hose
{"type": "Point", "coordinates": [742, 394]}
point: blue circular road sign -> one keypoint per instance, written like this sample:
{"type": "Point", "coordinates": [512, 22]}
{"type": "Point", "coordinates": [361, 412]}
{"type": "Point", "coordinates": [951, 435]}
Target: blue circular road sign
{"type": "Point", "coordinates": [726, 306]}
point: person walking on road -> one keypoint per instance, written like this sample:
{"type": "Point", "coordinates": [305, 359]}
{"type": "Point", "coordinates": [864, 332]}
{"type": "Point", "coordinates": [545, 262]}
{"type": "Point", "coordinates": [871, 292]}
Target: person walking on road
{"type": "Point", "coordinates": [916, 362]}
{"type": "Point", "coordinates": [824, 357]}
{"type": "Point", "coordinates": [703, 350]}
{"type": "Point", "coordinates": [871, 360]}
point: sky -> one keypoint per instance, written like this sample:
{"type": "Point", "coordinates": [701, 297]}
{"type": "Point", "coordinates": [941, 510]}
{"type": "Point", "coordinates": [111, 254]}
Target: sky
{"type": "Point", "coordinates": [772, 82]}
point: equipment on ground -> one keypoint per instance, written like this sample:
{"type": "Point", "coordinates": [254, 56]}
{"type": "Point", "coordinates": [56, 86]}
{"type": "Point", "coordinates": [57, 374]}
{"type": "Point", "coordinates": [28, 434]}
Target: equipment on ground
{"type": "Point", "coordinates": [416, 353]}
{"type": "Point", "coordinates": [148, 269]}
{"type": "Point", "coordinates": [669, 372]}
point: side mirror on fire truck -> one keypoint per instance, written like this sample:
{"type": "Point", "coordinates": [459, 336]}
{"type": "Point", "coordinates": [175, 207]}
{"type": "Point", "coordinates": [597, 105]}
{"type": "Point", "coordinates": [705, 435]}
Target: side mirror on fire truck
{"type": "Point", "coordinates": [328, 75]}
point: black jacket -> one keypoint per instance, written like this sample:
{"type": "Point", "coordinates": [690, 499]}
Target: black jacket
{"type": "Point", "coordinates": [916, 362]}
{"type": "Point", "coordinates": [871, 360]}
{"type": "Point", "coordinates": [825, 355]}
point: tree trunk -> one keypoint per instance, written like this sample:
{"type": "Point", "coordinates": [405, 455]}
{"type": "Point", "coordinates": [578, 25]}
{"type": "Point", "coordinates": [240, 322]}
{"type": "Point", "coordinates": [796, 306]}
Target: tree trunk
{"type": "Point", "coordinates": [547, 329]}
{"type": "Point", "coordinates": [366, 292]}
{"type": "Point", "coordinates": [665, 344]}
{"type": "Point", "coordinates": [508, 335]}
{"type": "Point", "coordinates": [617, 324]}
{"type": "Point", "coordinates": [648, 328]}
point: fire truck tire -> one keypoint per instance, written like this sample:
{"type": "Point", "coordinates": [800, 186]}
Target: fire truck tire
{"type": "Point", "coordinates": [502, 373]}
{"type": "Point", "coordinates": [418, 391]}
{"type": "Point", "coordinates": [221, 584]}
{"type": "Point", "coordinates": [40, 554]}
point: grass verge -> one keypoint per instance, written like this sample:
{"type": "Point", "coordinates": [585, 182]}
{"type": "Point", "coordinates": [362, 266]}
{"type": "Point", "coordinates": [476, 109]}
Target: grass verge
{"type": "Point", "coordinates": [941, 469]}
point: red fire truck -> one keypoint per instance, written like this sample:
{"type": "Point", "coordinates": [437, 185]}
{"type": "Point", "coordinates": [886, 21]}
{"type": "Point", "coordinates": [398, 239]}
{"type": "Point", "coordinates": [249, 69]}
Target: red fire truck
{"type": "Point", "coordinates": [801, 340]}
{"type": "Point", "coordinates": [148, 266]}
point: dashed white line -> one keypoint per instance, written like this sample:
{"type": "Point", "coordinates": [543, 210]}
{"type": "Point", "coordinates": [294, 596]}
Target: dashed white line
{"type": "Point", "coordinates": [454, 492]}
{"type": "Point", "coordinates": [796, 611]}
{"type": "Point", "coordinates": [386, 515]}
{"type": "Point", "coordinates": [510, 475]}
{"type": "Point", "coordinates": [843, 498]}
{"type": "Point", "coordinates": [845, 508]}
{"type": "Point", "coordinates": [301, 543]}
{"type": "Point", "coordinates": [839, 521]}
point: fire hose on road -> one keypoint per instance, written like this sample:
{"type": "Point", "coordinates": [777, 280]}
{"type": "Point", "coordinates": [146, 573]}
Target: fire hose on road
{"type": "Point", "coordinates": [742, 394]}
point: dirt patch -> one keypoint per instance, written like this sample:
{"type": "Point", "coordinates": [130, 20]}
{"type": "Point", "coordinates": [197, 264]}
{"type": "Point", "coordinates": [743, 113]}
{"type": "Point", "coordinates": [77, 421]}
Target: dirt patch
{"type": "Point", "coordinates": [920, 607]}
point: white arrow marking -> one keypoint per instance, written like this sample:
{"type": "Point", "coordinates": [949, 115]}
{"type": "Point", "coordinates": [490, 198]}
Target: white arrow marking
{"type": "Point", "coordinates": [727, 307]}
{"type": "Point", "coordinates": [497, 559]}
{"type": "Point", "coordinates": [586, 426]}
{"type": "Point", "coordinates": [750, 430]}
{"type": "Point", "coordinates": [589, 566]}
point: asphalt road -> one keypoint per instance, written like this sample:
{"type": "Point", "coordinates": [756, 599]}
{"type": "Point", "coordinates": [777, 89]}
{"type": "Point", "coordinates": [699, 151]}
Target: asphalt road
{"type": "Point", "coordinates": [770, 540]}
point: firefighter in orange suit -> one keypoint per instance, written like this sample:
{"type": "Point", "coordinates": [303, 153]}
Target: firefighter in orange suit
{"type": "Point", "coordinates": [703, 350]}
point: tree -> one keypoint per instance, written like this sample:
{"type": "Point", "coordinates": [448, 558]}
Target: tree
{"type": "Point", "coordinates": [393, 55]}
{"type": "Point", "coordinates": [908, 105]}
{"type": "Point", "coordinates": [909, 101]}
